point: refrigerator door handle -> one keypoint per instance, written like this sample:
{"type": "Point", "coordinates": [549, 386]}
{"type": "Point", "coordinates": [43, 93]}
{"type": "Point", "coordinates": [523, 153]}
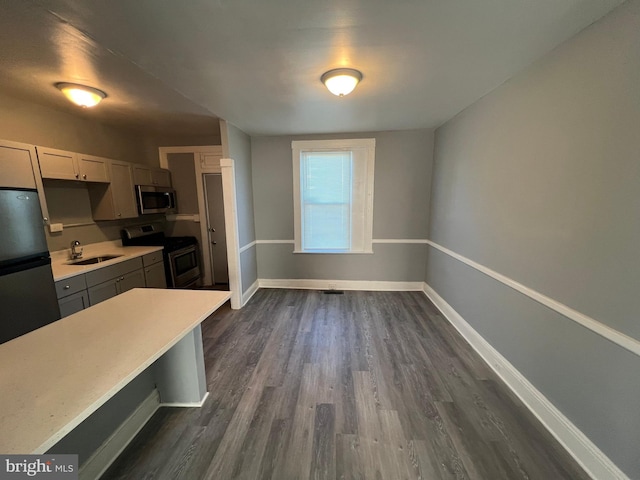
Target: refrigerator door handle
{"type": "Point", "coordinates": [21, 264]}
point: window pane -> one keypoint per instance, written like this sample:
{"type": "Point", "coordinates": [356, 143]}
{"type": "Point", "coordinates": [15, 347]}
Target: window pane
{"type": "Point", "coordinates": [327, 227]}
{"type": "Point", "coordinates": [327, 177]}
{"type": "Point", "coordinates": [326, 200]}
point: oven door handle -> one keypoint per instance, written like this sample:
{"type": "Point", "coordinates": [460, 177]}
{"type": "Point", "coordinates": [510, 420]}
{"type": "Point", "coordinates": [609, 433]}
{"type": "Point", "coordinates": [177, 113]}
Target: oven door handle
{"type": "Point", "coordinates": [182, 251]}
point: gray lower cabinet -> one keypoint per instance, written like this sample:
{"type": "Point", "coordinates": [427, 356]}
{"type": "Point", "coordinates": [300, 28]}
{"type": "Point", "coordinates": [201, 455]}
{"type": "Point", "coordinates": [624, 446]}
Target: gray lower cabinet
{"type": "Point", "coordinates": [131, 280]}
{"type": "Point", "coordinates": [103, 291]}
{"type": "Point", "coordinates": [154, 276]}
{"type": "Point", "coordinates": [154, 270]}
{"type": "Point", "coordinates": [72, 295]}
{"type": "Point", "coordinates": [73, 303]}
{"type": "Point", "coordinates": [108, 282]}
{"type": "Point", "coordinates": [111, 288]}
{"type": "Point", "coordinates": [82, 291]}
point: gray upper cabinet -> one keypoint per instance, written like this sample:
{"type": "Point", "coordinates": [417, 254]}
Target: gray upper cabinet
{"type": "Point", "coordinates": [158, 177]}
{"type": "Point", "coordinates": [93, 169]}
{"type": "Point", "coordinates": [19, 169]}
{"type": "Point", "coordinates": [58, 164]}
{"type": "Point", "coordinates": [63, 165]}
{"type": "Point", "coordinates": [15, 165]}
{"type": "Point", "coordinates": [115, 200]}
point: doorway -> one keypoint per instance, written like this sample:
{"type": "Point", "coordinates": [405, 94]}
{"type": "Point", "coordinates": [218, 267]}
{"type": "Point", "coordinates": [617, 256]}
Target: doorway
{"type": "Point", "coordinates": [216, 230]}
{"type": "Point", "coordinates": [206, 160]}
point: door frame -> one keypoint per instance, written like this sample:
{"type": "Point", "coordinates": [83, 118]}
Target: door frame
{"type": "Point", "coordinates": [208, 159]}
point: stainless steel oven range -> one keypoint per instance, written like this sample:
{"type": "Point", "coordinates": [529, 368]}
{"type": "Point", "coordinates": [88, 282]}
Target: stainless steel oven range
{"type": "Point", "coordinates": [181, 254]}
{"type": "Point", "coordinates": [182, 257]}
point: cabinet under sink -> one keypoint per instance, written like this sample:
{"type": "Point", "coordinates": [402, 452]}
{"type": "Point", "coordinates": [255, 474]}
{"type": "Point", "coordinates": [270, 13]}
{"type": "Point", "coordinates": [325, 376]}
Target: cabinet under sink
{"type": "Point", "coordinates": [87, 289]}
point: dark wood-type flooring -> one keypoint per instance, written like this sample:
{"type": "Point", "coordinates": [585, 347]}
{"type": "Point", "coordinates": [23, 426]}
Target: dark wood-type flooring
{"type": "Point", "coordinates": [365, 385]}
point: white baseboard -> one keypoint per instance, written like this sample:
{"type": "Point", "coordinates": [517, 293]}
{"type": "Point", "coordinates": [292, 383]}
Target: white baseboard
{"type": "Point", "coordinates": [366, 285]}
{"type": "Point", "coordinates": [246, 296]}
{"type": "Point", "coordinates": [585, 452]}
{"type": "Point", "coordinates": [113, 446]}
{"type": "Point", "coordinates": [186, 404]}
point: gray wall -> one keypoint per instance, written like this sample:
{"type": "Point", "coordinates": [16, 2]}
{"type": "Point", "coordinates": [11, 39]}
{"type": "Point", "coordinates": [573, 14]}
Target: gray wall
{"type": "Point", "coordinates": [31, 123]}
{"type": "Point", "coordinates": [540, 181]}
{"type": "Point", "coordinates": [153, 141]}
{"type": "Point", "coordinates": [401, 202]}
{"type": "Point", "coordinates": [68, 203]}
{"type": "Point", "coordinates": [183, 180]}
{"type": "Point", "coordinates": [249, 267]}
{"type": "Point", "coordinates": [238, 147]}
{"type": "Point", "coordinates": [96, 232]}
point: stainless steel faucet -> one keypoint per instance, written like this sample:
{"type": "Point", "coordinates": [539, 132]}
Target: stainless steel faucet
{"type": "Point", "coordinates": [76, 250]}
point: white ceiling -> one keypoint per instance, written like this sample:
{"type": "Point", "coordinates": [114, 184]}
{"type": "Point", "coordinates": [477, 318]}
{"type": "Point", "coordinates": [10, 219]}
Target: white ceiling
{"type": "Point", "coordinates": [178, 65]}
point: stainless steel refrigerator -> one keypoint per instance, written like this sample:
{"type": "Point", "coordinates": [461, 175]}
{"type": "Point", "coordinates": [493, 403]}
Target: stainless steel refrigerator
{"type": "Point", "coordinates": [27, 291]}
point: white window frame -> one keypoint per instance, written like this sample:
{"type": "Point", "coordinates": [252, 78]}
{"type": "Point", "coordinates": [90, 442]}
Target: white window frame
{"type": "Point", "coordinates": [365, 145]}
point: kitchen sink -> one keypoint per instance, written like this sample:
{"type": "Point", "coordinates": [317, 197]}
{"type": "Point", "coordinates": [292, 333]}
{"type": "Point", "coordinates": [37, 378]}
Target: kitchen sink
{"type": "Point", "coordinates": [92, 260]}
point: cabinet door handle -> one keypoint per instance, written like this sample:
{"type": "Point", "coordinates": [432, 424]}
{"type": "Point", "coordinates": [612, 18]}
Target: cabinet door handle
{"type": "Point", "coordinates": [66, 287]}
{"type": "Point", "coordinates": [121, 278]}
{"type": "Point", "coordinates": [84, 176]}
{"type": "Point", "coordinates": [77, 175]}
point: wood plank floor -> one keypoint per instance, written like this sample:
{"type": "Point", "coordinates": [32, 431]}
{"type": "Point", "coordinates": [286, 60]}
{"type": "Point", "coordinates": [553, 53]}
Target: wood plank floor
{"type": "Point", "coordinates": [365, 385]}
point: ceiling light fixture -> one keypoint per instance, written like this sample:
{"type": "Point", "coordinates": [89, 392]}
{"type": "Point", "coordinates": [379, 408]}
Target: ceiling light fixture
{"type": "Point", "coordinates": [341, 81]}
{"type": "Point", "coordinates": [81, 95]}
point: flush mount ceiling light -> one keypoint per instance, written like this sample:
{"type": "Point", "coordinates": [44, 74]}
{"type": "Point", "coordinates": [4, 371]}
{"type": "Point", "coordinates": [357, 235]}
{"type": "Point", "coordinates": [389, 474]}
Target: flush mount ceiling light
{"type": "Point", "coordinates": [341, 81]}
{"type": "Point", "coordinates": [81, 95]}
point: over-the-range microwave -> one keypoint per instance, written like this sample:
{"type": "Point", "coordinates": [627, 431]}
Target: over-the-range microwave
{"type": "Point", "coordinates": [155, 199]}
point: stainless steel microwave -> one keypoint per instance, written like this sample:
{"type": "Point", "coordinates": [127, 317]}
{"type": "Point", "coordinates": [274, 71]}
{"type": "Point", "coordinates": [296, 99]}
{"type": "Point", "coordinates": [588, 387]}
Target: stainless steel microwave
{"type": "Point", "coordinates": [155, 199]}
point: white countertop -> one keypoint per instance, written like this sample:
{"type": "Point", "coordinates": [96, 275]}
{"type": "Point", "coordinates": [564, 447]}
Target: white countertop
{"type": "Point", "coordinates": [53, 378]}
{"type": "Point", "coordinates": [60, 258]}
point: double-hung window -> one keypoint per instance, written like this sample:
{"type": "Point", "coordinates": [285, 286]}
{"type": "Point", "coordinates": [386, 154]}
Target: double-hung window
{"type": "Point", "coordinates": [333, 195]}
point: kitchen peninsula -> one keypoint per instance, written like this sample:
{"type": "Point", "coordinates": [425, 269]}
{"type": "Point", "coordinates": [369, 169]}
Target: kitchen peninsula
{"type": "Point", "coordinates": [55, 377]}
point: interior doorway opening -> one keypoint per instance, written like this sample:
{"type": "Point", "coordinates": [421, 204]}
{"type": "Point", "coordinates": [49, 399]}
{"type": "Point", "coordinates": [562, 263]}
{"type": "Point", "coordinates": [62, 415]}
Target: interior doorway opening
{"type": "Point", "coordinates": [207, 160]}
